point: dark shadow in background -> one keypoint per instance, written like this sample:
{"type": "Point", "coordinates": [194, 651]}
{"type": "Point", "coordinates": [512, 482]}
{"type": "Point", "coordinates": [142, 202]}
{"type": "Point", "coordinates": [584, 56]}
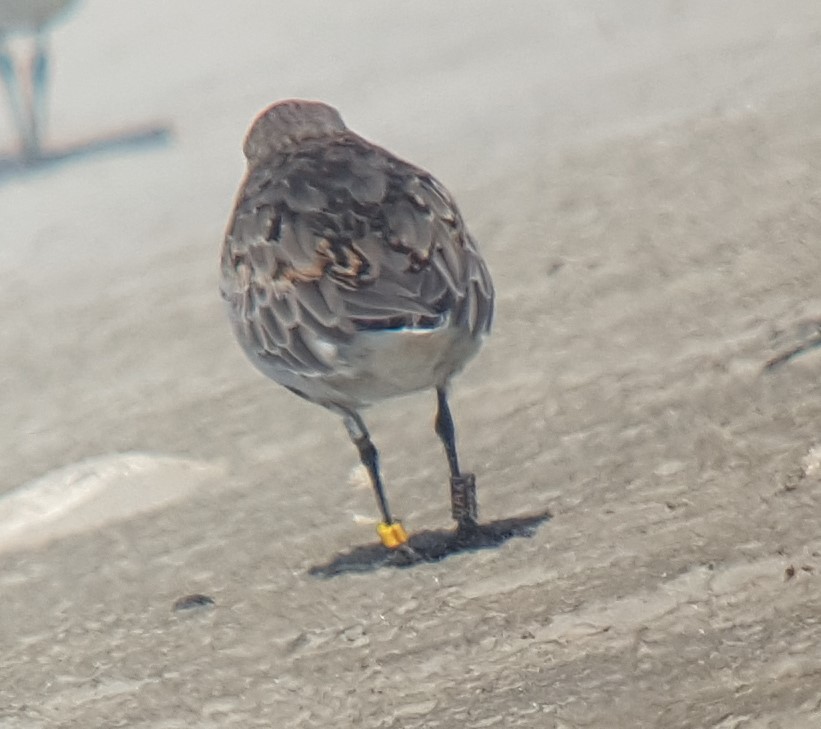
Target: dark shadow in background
{"type": "Point", "coordinates": [432, 546]}
{"type": "Point", "coordinates": [129, 140]}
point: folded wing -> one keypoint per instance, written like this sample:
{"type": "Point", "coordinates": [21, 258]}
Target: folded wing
{"type": "Point", "coordinates": [344, 237]}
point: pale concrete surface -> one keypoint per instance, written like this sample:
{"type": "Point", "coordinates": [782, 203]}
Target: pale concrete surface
{"type": "Point", "coordinates": [644, 180]}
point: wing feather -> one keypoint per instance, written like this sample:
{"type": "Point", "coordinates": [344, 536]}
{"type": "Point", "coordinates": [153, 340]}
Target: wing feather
{"type": "Point", "coordinates": [341, 236]}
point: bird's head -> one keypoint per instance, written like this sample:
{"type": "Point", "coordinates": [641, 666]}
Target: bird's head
{"type": "Point", "coordinates": [285, 124]}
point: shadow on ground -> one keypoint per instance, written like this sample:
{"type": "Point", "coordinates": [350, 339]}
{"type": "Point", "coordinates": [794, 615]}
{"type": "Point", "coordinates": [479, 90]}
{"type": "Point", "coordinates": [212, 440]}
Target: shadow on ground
{"type": "Point", "coordinates": [143, 137]}
{"type": "Point", "coordinates": [432, 546]}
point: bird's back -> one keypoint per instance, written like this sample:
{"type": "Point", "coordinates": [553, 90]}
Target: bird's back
{"type": "Point", "coordinates": [333, 240]}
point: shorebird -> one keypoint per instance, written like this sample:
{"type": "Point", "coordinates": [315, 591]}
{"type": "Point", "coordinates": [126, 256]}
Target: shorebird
{"type": "Point", "coordinates": [27, 96]}
{"type": "Point", "coordinates": [350, 277]}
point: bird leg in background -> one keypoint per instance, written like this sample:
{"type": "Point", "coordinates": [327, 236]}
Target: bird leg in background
{"type": "Point", "coordinates": [19, 108]}
{"type": "Point", "coordinates": [464, 508]}
{"type": "Point", "coordinates": [39, 94]}
{"type": "Point", "coordinates": [28, 103]}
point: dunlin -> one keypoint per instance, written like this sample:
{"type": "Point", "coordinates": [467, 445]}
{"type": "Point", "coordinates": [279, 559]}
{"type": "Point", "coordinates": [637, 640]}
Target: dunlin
{"type": "Point", "coordinates": [350, 277]}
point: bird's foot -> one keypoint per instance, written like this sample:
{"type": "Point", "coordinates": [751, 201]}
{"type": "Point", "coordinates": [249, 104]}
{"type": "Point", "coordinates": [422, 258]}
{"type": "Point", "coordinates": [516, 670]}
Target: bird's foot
{"type": "Point", "coordinates": [467, 530]}
{"type": "Point", "coordinates": [395, 538]}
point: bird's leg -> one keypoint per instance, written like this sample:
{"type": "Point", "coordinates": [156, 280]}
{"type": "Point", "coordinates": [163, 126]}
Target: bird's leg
{"type": "Point", "coordinates": [391, 532]}
{"type": "Point", "coordinates": [18, 106]}
{"type": "Point", "coordinates": [39, 93]}
{"type": "Point", "coordinates": [462, 485]}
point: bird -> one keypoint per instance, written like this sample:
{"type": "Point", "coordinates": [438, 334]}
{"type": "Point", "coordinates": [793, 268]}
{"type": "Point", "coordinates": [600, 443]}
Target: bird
{"type": "Point", "coordinates": [350, 277]}
{"type": "Point", "coordinates": [28, 99]}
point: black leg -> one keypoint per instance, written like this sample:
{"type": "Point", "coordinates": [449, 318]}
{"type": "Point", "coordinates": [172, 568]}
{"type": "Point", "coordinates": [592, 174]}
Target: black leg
{"type": "Point", "coordinates": [370, 459]}
{"type": "Point", "coordinates": [446, 431]}
{"type": "Point", "coordinates": [464, 508]}
{"type": "Point", "coordinates": [391, 532]}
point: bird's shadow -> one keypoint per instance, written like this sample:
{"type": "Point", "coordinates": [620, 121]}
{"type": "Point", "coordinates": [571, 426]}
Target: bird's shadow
{"type": "Point", "coordinates": [136, 138]}
{"type": "Point", "coordinates": [431, 546]}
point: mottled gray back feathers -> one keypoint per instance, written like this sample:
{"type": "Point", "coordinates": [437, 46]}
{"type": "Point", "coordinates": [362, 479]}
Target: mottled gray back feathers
{"type": "Point", "coordinates": [332, 235]}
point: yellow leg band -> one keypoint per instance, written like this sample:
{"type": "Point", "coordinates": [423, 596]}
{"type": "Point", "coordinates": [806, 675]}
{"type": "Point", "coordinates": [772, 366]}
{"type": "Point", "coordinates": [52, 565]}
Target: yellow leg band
{"type": "Point", "coordinates": [392, 535]}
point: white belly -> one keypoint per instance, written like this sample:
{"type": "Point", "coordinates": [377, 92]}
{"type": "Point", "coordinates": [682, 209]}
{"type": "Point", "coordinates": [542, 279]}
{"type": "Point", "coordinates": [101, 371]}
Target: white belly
{"type": "Point", "coordinates": [388, 363]}
{"type": "Point", "coordinates": [377, 365]}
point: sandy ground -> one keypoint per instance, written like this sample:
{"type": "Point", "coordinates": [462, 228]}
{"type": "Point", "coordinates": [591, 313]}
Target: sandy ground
{"type": "Point", "coordinates": [644, 179]}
